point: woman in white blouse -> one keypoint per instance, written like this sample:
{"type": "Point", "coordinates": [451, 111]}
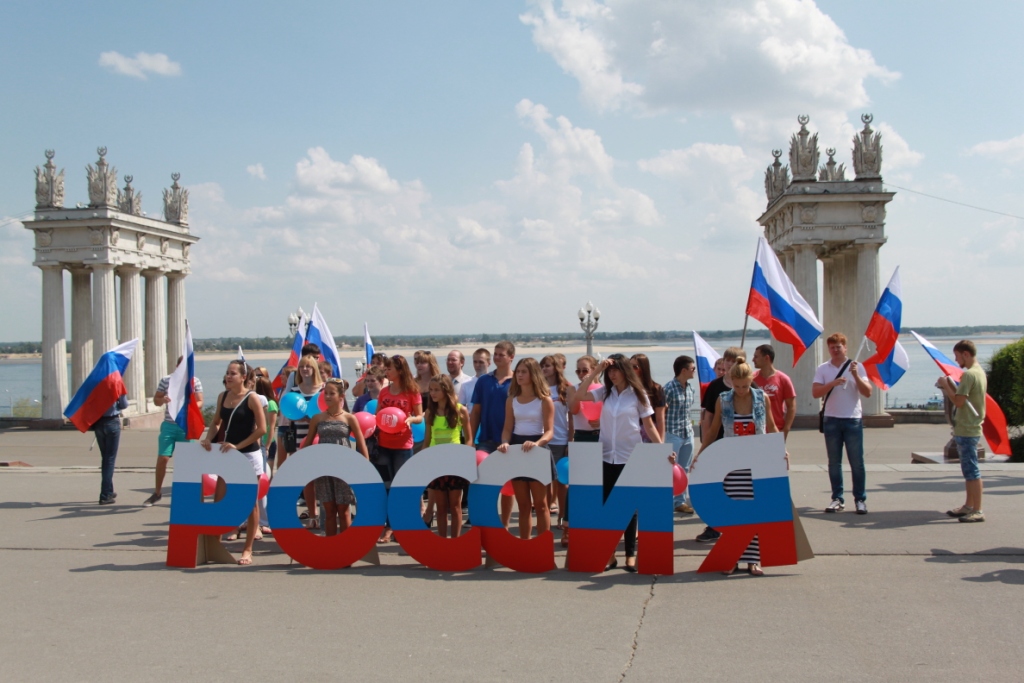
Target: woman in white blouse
{"type": "Point", "coordinates": [624, 411]}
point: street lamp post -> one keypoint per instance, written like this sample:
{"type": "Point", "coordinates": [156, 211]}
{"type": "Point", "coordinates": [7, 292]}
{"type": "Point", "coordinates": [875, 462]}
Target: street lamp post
{"type": "Point", "coordinates": [293, 320]}
{"type": "Point", "coordinates": [589, 315]}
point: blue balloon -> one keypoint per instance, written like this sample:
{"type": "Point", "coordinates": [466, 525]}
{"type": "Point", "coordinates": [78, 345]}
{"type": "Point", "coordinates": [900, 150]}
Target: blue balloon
{"type": "Point", "coordinates": [313, 405]}
{"type": "Point", "coordinates": [419, 430]}
{"type": "Point", "coordinates": [562, 468]}
{"type": "Point", "coordinates": [371, 406]}
{"type": "Point", "coordinates": [293, 406]}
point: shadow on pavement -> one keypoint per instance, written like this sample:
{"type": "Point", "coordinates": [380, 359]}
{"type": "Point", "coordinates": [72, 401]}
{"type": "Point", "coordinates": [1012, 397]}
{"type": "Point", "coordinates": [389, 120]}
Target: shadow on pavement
{"type": "Point", "coordinates": [1004, 555]}
{"type": "Point", "coordinates": [995, 485]}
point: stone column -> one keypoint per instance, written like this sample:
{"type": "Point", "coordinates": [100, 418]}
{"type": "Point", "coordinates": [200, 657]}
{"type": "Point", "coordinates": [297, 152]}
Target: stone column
{"type": "Point", "coordinates": [805, 278]}
{"type": "Point", "coordinates": [828, 293]}
{"type": "Point", "coordinates": [175, 316]}
{"type": "Point", "coordinates": [131, 328]}
{"type": "Point", "coordinates": [55, 352]}
{"type": "Point", "coordinates": [104, 315]}
{"type": "Point", "coordinates": [156, 330]}
{"type": "Point", "coordinates": [81, 325]}
{"type": "Point", "coordinates": [868, 291]}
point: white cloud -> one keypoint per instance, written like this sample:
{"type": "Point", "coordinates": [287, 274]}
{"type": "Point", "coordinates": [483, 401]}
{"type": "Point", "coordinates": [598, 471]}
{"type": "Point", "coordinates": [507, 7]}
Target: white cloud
{"type": "Point", "coordinates": [141, 64]}
{"type": "Point", "coordinates": [896, 152]}
{"type": "Point", "coordinates": [1011, 150]}
{"type": "Point", "coordinates": [760, 61]}
{"type": "Point", "coordinates": [256, 171]}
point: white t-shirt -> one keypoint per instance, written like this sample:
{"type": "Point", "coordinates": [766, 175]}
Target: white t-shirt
{"type": "Point", "coordinates": [561, 433]}
{"type": "Point", "coordinates": [845, 399]}
{"type": "Point", "coordinates": [621, 417]}
{"type": "Point", "coordinates": [464, 390]}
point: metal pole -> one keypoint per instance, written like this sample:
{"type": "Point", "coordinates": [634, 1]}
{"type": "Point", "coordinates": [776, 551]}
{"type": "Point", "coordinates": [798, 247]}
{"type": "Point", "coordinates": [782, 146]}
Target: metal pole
{"type": "Point", "coordinates": [743, 339]}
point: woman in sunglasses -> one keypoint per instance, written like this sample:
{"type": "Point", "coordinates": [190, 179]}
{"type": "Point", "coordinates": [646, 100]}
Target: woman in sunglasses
{"type": "Point", "coordinates": [625, 410]}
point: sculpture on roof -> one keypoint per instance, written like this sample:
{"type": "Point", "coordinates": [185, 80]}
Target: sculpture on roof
{"type": "Point", "coordinates": [803, 151]}
{"type": "Point", "coordinates": [49, 185]}
{"type": "Point", "coordinates": [831, 171]}
{"type": "Point", "coordinates": [128, 201]}
{"type": "Point", "coordinates": [776, 177]}
{"type": "Point", "coordinates": [102, 182]}
{"type": "Point", "coordinates": [867, 151]}
{"type": "Point", "coordinates": [176, 202]}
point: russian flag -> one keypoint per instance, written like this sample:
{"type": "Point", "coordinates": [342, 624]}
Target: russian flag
{"type": "Point", "coordinates": [776, 304]}
{"type": "Point", "coordinates": [884, 327]}
{"type": "Point", "coordinates": [706, 359]}
{"type": "Point", "coordinates": [293, 358]}
{"type": "Point", "coordinates": [320, 335]}
{"type": "Point", "coordinates": [102, 388]}
{"type": "Point", "coordinates": [184, 407]}
{"type": "Point", "coordinates": [994, 426]}
{"type": "Point", "coordinates": [889, 371]}
{"type": "Point", "coordinates": [368, 343]}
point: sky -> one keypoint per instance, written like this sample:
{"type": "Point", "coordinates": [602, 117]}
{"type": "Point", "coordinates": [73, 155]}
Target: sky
{"type": "Point", "coordinates": [467, 167]}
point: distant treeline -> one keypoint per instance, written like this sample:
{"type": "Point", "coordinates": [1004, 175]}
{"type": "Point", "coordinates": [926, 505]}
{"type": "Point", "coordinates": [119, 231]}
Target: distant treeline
{"type": "Point", "coordinates": [443, 340]}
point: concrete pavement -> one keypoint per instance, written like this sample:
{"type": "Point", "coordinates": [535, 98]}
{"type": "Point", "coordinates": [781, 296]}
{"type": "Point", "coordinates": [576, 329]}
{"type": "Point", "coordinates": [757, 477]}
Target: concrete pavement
{"type": "Point", "coordinates": [903, 593]}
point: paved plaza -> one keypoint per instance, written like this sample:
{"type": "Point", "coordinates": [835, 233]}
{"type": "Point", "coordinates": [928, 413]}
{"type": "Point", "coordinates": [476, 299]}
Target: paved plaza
{"type": "Point", "coordinates": [903, 593]}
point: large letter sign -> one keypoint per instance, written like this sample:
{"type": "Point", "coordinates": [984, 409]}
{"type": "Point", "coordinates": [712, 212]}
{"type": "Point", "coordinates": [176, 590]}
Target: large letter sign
{"type": "Point", "coordinates": [532, 555]}
{"type": "Point", "coordinates": [422, 544]}
{"type": "Point", "coordinates": [191, 518]}
{"type": "Point", "coordinates": [644, 488]}
{"type": "Point", "coordinates": [340, 550]}
{"type": "Point", "coordinates": [768, 515]}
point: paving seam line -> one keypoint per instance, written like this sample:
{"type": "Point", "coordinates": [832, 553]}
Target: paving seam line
{"type": "Point", "coordinates": [636, 633]}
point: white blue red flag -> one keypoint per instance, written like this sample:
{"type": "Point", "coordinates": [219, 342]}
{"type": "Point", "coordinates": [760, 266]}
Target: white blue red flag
{"type": "Point", "coordinates": [994, 426]}
{"type": "Point", "coordinates": [889, 371]}
{"type": "Point", "coordinates": [884, 326]}
{"type": "Point", "coordinates": [184, 406]}
{"type": "Point", "coordinates": [293, 357]}
{"type": "Point", "coordinates": [320, 335]}
{"type": "Point", "coordinates": [368, 343]}
{"type": "Point", "coordinates": [102, 388]}
{"type": "Point", "coordinates": [706, 358]}
{"type": "Point", "coordinates": [775, 302]}
{"type": "Point", "coordinates": [241, 356]}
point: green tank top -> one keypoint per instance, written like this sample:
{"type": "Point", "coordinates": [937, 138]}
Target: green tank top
{"type": "Point", "coordinates": [441, 433]}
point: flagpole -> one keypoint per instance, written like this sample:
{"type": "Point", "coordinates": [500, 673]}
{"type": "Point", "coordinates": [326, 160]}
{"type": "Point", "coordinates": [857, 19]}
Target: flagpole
{"type": "Point", "coordinates": [860, 348]}
{"type": "Point", "coordinates": [743, 338]}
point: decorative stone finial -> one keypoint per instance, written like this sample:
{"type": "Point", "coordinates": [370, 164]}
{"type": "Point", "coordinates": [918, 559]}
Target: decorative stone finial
{"type": "Point", "coordinates": [776, 178]}
{"type": "Point", "coordinates": [49, 184]}
{"type": "Point", "coordinates": [803, 151]}
{"type": "Point", "coordinates": [867, 151]}
{"type": "Point", "coordinates": [831, 171]}
{"type": "Point", "coordinates": [129, 201]}
{"type": "Point", "coordinates": [176, 203]}
{"type": "Point", "coordinates": [102, 182]}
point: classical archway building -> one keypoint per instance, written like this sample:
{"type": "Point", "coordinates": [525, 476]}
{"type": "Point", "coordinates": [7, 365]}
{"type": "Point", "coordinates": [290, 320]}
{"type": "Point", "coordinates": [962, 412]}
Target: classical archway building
{"type": "Point", "coordinates": [817, 214]}
{"type": "Point", "coordinates": [117, 258]}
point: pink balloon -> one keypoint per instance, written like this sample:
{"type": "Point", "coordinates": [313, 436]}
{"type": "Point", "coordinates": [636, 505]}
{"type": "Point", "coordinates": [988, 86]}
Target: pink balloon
{"type": "Point", "coordinates": [679, 480]}
{"type": "Point", "coordinates": [391, 420]}
{"type": "Point", "coordinates": [321, 402]}
{"type": "Point", "coordinates": [264, 485]}
{"type": "Point", "coordinates": [506, 490]}
{"type": "Point", "coordinates": [591, 409]}
{"type": "Point", "coordinates": [209, 484]}
{"type": "Point", "coordinates": [480, 456]}
{"type": "Point", "coordinates": [367, 423]}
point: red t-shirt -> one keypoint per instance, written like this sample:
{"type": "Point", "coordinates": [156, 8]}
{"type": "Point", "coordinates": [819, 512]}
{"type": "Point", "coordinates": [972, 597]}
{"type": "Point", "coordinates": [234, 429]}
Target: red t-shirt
{"type": "Point", "coordinates": [404, 402]}
{"type": "Point", "coordinates": [779, 388]}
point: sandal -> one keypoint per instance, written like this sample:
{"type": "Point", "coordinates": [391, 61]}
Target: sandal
{"type": "Point", "coordinates": [565, 537]}
{"type": "Point", "coordinates": [266, 531]}
{"type": "Point", "coordinates": [755, 570]}
{"type": "Point", "coordinates": [385, 537]}
{"type": "Point", "coordinates": [731, 571]}
{"type": "Point", "coordinates": [233, 536]}
{"type": "Point", "coordinates": [245, 561]}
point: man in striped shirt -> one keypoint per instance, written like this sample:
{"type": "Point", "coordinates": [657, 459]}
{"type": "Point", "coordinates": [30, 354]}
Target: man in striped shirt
{"type": "Point", "coordinates": [679, 397]}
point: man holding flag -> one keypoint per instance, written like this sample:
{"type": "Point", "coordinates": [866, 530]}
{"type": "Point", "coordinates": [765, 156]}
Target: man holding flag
{"type": "Point", "coordinates": [170, 432]}
{"type": "Point", "coordinates": [969, 399]}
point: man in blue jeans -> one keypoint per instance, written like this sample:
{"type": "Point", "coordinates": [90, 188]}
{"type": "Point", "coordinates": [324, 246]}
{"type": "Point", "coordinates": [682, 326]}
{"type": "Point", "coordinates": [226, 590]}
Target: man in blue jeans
{"type": "Point", "coordinates": [969, 399]}
{"type": "Point", "coordinates": [841, 382]}
{"type": "Point", "coordinates": [108, 437]}
{"type": "Point", "coordinates": [679, 398]}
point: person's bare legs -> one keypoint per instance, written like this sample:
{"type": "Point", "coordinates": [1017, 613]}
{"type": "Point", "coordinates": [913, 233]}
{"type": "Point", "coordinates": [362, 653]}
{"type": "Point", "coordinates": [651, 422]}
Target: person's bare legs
{"type": "Point", "coordinates": [330, 518]}
{"type": "Point", "coordinates": [541, 505]}
{"type": "Point", "coordinates": [523, 502]}
{"type": "Point", "coordinates": [309, 493]}
{"type": "Point", "coordinates": [250, 535]}
{"type": "Point", "coordinates": [974, 491]}
{"type": "Point", "coordinates": [506, 510]}
{"type": "Point", "coordinates": [344, 517]}
{"type": "Point", "coordinates": [561, 495]}
{"type": "Point", "coordinates": [440, 500]}
{"type": "Point", "coordinates": [455, 505]}
{"type": "Point", "coordinates": [161, 472]}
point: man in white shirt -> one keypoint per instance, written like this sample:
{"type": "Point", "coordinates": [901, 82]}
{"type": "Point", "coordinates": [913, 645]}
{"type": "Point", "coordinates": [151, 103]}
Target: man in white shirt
{"type": "Point", "coordinates": [841, 382]}
{"type": "Point", "coordinates": [454, 362]}
{"type": "Point", "coordinates": [481, 363]}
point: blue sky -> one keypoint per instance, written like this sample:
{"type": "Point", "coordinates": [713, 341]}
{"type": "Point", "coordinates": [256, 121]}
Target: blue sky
{"type": "Point", "coordinates": [489, 166]}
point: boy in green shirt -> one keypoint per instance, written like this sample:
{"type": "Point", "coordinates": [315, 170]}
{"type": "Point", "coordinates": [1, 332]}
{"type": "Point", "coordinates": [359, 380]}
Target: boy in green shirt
{"type": "Point", "coordinates": [969, 399]}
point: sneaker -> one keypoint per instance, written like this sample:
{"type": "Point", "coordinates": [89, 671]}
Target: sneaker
{"type": "Point", "coordinates": [835, 506]}
{"type": "Point", "coordinates": [862, 507]}
{"type": "Point", "coordinates": [152, 500]}
{"type": "Point", "coordinates": [708, 535]}
{"type": "Point", "coordinates": [973, 516]}
{"type": "Point", "coordinates": [960, 511]}
{"type": "Point", "coordinates": [107, 500]}
{"type": "Point", "coordinates": [685, 509]}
